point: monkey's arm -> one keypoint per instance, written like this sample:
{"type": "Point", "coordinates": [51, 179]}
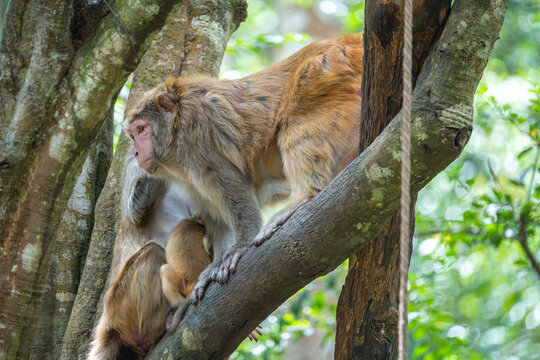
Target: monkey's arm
{"type": "Point", "coordinates": [139, 192]}
{"type": "Point", "coordinates": [238, 207]}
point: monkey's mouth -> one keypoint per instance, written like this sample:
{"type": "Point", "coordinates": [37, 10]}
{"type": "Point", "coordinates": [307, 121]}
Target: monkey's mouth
{"type": "Point", "coordinates": [149, 165]}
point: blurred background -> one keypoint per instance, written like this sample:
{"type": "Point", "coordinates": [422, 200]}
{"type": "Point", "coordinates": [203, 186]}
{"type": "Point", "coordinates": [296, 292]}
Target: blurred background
{"type": "Point", "coordinates": [474, 293]}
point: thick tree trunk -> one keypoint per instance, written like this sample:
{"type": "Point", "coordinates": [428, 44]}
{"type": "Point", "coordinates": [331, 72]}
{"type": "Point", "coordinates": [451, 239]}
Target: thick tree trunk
{"type": "Point", "coordinates": [70, 247]}
{"type": "Point", "coordinates": [357, 204]}
{"type": "Point", "coordinates": [61, 65]}
{"type": "Point", "coordinates": [192, 42]}
{"type": "Point", "coordinates": [367, 308]}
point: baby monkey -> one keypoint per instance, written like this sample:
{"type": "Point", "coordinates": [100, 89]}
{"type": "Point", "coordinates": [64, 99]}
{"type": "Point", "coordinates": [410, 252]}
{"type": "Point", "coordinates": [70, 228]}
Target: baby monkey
{"type": "Point", "coordinates": [187, 256]}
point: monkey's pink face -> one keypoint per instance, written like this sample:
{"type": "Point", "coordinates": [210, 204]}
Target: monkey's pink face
{"type": "Point", "coordinates": [140, 131]}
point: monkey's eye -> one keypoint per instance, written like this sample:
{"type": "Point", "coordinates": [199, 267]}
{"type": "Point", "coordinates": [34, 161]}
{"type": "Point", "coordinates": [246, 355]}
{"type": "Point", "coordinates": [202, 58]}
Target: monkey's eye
{"type": "Point", "coordinates": [140, 129]}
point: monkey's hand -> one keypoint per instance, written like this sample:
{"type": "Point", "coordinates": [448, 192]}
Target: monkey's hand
{"type": "Point", "coordinates": [228, 266]}
{"type": "Point", "coordinates": [275, 223]}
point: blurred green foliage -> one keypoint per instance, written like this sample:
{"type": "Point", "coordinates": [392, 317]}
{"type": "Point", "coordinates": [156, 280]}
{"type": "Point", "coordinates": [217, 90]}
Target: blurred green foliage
{"type": "Point", "coordinates": [473, 293]}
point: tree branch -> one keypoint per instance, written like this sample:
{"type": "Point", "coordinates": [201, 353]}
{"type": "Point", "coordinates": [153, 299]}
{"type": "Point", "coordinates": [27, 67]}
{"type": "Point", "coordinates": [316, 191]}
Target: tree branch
{"type": "Point", "coordinates": [522, 238]}
{"type": "Point", "coordinates": [352, 209]}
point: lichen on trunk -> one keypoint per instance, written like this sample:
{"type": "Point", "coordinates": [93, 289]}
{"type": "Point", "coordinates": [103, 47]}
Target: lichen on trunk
{"type": "Point", "coordinates": [193, 41]}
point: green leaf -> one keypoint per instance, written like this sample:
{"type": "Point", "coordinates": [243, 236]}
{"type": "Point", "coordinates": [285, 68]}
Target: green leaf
{"type": "Point", "coordinates": [524, 152]}
{"type": "Point", "coordinates": [420, 350]}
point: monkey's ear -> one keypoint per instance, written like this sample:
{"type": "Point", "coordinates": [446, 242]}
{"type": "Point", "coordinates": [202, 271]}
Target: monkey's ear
{"type": "Point", "coordinates": [165, 103]}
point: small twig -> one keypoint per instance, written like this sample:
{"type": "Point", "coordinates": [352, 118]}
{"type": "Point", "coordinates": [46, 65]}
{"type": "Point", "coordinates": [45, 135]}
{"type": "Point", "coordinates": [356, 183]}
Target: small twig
{"type": "Point", "coordinates": [522, 237]}
{"type": "Point", "coordinates": [501, 189]}
{"type": "Point", "coordinates": [529, 192]}
{"type": "Point", "coordinates": [451, 231]}
{"type": "Point", "coordinates": [494, 176]}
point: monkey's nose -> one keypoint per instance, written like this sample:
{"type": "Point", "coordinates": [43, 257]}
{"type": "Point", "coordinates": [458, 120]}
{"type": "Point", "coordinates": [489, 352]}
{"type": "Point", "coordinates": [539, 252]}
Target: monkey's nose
{"type": "Point", "coordinates": [136, 154]}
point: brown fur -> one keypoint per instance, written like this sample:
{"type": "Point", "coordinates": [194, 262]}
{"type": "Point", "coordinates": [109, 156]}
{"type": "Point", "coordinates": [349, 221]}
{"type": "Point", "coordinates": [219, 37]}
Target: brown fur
{"type": "Point", "coordinates": [135, 307]}
{"type": "Point", "coordinates": [148, 283]}
{"type": "Point", "coordinates": [186, 257]}
{"type": "Point", "coordinates": [296, 121]}
{"type": "Point", "coordinates": [186, 260]}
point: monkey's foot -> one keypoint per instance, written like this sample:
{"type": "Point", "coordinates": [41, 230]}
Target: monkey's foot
{"type": "Point", "coordinates": [174, 318]}
{"type": "Point", "coordinates": [204, 280]}
{"type": "Point", "coordinates": [228, 265]}
{"type": "Point", "coordinates": [275, 223]}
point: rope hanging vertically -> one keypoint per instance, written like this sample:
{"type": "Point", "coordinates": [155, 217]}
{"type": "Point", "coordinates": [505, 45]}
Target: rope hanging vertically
{"type": "Point", "coordinates": [405, 178]}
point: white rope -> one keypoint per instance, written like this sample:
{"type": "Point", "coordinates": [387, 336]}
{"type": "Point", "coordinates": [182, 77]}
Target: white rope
{"type": "Point", "coordinates": [405, 179]}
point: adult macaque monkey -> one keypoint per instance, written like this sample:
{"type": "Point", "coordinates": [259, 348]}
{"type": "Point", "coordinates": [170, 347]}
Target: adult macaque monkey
{"type": "Point", "coordinates": [135, 308]}
{"type": "Point", "coordinates": [227, 140]}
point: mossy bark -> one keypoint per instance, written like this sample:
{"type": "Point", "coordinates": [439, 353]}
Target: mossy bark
{"type": "Point", "coordinates": [57, 83]}
{"type": "Point", "coordinates": [193, 41]}
{"type": "Point", "coordinates": [71, 246]}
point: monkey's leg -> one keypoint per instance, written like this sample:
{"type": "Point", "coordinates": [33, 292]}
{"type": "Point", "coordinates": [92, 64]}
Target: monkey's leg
{"type": "Point", "coordinates": [242, 220]}
{"type": "Point", "coordinates": [307, 165]}
{"type": "Point", "coordinates": [276, 222]}
{"type": "Point", "coordinates": [173, 321]}
{"type": "Point", "coordinates": [169, 283]}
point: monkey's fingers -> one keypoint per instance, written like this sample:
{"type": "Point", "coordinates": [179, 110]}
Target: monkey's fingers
{"type": "Point", "coordinates": [235, 259]}
{"type": "Point", "coordinates": [275, 223]}
{"type": "Point", "coordinates": [263, 235]}
{"type": "Point", "coordinates": [222, 275]}
{"type": "Point", "coordinates": [199, 290]}
{"type": "Point", "coordinates": [217, 273]}
{"type": "Point", "coordinates": [229, 263]}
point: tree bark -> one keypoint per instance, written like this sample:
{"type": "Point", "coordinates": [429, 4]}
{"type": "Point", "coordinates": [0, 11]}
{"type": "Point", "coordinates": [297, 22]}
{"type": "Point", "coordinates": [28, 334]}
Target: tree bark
{"type": "Point", "coordinates": [367, 313]}
{"type": "Point", "coordinates": [57, 82]}
{"type": "Point", "coordinates": [71, 246]}
{"type": "Point", "coordinates": [192, 42]}
{"type": "Point", "coordinates": [358, 203]}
